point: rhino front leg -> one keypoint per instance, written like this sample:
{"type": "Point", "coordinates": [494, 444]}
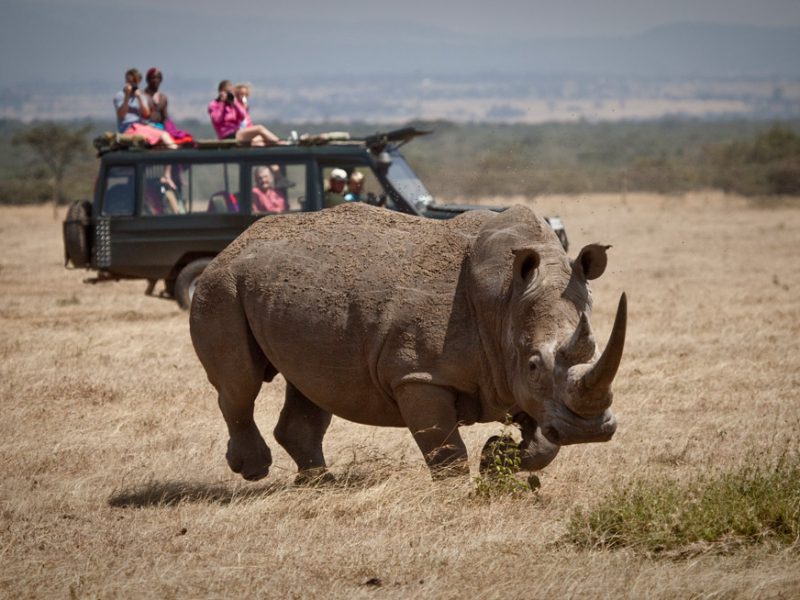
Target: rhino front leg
{"type": "Point", "coordinates": [430, 414]}
{"type": "Point", "coordinates": [300, 430]}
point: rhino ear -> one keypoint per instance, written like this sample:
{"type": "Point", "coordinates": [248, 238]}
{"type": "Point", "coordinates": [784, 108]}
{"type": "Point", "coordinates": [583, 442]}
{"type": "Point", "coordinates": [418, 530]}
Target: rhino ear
{"type": "Point", "coordinates": [526, 261]}
{"type": "Point", "coordinates": [591, 261]}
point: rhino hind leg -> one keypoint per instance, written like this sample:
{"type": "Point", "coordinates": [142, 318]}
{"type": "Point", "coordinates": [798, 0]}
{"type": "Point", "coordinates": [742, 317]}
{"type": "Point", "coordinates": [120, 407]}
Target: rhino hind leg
{"type": "Point", "coordinates": [430, 414]}
{"type": "Point", "coordinates": [237, 371]}
{"type": "Point", "coordinates": [300, 429]}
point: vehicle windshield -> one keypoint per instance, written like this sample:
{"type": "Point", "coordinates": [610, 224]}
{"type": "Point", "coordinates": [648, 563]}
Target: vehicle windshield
{"type": "Point", "coordinates": [406, 182]}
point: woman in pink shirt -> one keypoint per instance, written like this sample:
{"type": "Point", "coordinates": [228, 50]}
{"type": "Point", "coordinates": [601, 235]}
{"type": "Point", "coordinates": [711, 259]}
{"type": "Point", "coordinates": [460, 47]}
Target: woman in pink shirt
{"type": "Point", "coordinates": [227, 115]}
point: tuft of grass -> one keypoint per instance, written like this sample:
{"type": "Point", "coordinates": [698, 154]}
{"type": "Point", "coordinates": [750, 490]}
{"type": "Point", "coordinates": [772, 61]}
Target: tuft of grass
{"type": "Point", "coordinates": [500, 461]}
{"type": "Point", "coordinates": [758, 502]}
{"type": "Point", "coordinates": [71, 301]}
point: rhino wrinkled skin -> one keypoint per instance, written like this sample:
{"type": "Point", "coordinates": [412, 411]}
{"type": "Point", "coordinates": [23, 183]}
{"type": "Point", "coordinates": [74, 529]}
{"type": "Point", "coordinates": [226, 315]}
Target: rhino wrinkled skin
{"type": "Point", "coordinates": [392, 320]}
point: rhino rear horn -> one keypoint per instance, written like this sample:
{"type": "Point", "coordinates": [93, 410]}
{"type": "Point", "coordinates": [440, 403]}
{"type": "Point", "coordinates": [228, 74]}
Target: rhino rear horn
{"type": "Point", "coordinates": [580, 347]}
{"type": "Point", "coordinates": [602, 373]}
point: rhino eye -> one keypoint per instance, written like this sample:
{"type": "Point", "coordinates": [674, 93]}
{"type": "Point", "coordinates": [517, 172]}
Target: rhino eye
{"type": "Point", "coordinates": [534, 362]}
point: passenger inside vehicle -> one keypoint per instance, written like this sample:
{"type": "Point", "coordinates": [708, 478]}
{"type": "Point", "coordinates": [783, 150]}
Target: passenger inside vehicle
{"type": "Point", "coordinates": [355, 187]}
{"type": "Point", "coordinates": [264, 196]}
{"type": "Point", "coordinates": [334, 193]}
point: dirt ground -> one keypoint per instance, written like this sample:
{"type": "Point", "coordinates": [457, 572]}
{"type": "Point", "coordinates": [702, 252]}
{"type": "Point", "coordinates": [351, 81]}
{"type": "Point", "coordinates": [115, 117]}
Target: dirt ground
{"type": "Point", "coordinates": [114, 482]}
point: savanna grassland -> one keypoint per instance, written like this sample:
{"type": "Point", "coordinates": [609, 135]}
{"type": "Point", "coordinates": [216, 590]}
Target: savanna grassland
{"type": "Point", "coordinates": [113, 481]}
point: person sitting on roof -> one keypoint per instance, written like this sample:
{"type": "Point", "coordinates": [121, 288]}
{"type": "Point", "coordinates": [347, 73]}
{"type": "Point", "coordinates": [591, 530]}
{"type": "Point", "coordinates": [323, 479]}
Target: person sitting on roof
{"type": "Point", "coordinates": [133, 113]}
{"type": "Point", "coordinates": [227, 114]}
{"type": "Point", "coordinates": [336, 182]}
{"type": "Point", "coordinates": [157, 103]}
{"type": "Point", "coordinates": [265, 198]}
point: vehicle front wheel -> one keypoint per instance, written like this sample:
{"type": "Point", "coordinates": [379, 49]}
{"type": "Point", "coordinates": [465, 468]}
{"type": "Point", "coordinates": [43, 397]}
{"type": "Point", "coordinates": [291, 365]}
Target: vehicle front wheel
{"type": "Point", "coordinates": [186, 282]}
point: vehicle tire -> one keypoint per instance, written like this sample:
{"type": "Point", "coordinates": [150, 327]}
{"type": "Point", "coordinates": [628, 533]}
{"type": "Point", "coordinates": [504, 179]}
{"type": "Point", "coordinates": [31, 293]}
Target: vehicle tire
{"type": "Point", "coordinates": [76, 233]}
{"type": "Point", "coordinates": [187, 281]}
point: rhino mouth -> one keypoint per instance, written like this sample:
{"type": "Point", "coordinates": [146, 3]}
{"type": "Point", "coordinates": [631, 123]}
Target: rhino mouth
{"type": "Point", "coordinates": [568, 428]}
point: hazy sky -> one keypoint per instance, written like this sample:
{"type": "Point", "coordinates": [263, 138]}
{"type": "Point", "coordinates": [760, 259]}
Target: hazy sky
{"type": "Point", "coordinates": [515, 17]}
{"type": "Point", "coordinates": [47, 40]}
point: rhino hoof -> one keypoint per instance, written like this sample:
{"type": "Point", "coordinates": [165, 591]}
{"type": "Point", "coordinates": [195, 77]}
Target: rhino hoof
{"type": "Point", "coordinates": [249, 457]}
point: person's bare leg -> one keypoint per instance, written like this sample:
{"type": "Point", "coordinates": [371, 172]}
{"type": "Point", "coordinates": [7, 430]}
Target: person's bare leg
{"type": "Point", "coordinates": [168, 141]}
{"type": "Point", "coordinates": [248, 134]}
{"type": "Point", "coordinates": [172, 199]}
{"type": "Point", "coordinates": [166, 178]}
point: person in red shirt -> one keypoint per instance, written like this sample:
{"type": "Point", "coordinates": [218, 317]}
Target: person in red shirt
{"type": "Point", "coordinates": [265, 198]}
{"type": "Point", "coordinates": [228, 114]}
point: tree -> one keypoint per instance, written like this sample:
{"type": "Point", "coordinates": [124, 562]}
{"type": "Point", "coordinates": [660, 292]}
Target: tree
{"type": "Point", "coordinates": [57, 146]}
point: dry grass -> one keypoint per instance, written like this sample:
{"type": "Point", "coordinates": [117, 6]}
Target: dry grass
{"type": "Point", "coordinates": [112, 465]}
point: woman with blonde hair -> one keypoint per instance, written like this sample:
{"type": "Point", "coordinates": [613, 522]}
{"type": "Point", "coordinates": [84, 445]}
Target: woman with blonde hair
{"type": "Point", "coordinates": [227, 115]}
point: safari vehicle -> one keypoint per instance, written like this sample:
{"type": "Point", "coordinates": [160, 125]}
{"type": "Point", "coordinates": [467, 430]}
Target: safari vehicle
{"type": "Point", "coordinates": [160, 214]}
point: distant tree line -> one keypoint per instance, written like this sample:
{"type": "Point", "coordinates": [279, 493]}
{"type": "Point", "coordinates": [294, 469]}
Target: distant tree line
{"type": "Point", "coordinates": [43, 162]}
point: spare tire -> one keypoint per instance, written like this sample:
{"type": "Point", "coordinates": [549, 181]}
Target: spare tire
{"type": "Point", "coordinates": [187, 280]}
{"type": "Point", "coordinates": [76, 234]}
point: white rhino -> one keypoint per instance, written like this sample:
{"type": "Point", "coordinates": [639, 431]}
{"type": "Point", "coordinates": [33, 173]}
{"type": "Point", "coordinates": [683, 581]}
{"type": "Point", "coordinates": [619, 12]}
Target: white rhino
{"type": "Point", "coordinates": [392, 320]}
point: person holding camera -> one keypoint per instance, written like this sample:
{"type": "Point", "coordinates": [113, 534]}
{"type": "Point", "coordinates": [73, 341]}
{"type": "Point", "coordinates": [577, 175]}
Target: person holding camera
{"type": "Point", "coordinates": [130, 103]}
{"type": "Point", "coordinates": [132, 112]}
{"type": "Point", "coordinates": [227, 115]}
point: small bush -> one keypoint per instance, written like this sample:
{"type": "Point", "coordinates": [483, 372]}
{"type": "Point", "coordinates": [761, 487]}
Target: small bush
{"type": "Point", "coordinates": [756, 503]}
{"type": "Point", "coordinates": [500, 461]}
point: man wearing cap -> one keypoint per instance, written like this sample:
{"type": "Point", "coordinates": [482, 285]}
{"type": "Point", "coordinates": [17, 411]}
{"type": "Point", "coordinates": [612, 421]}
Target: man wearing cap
{"type": "Point", "coordinates": [336, 183]}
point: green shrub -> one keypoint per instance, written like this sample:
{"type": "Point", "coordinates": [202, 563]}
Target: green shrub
{"type": "Point", "coordinates": [500, 462]}
{"type": "Point", "coordinates": [755, 503]}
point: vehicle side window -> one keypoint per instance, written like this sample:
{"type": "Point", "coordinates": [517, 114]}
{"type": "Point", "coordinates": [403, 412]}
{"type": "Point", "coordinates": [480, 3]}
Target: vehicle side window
{"type": "Point", "coordinates": [176, 189]}
{"type": "Point", "coordinates": [360, 185]}
{"type": "Point", "coordinates": [118, 196]}
{"type": "Point", "coordinates": [163, 189]}
{"type": "Point", "coordinates": [215, 188]}
{"type": "Point", "coordinates": [277, 188]}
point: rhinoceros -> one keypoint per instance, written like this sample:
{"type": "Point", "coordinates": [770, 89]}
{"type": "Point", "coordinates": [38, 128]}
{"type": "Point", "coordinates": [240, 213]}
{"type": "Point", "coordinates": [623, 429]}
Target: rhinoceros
{"type": "Point", "coordinates": [393, 320]}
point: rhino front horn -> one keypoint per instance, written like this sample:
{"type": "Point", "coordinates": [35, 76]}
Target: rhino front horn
{"type": "Point", "coordinates": [601, 374]}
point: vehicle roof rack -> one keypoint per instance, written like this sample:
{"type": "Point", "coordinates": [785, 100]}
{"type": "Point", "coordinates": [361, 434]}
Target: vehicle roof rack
{"type": "Point", "coordinates": [402, 135]}
{"type": "Point", "coordinates": [110, 141]}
